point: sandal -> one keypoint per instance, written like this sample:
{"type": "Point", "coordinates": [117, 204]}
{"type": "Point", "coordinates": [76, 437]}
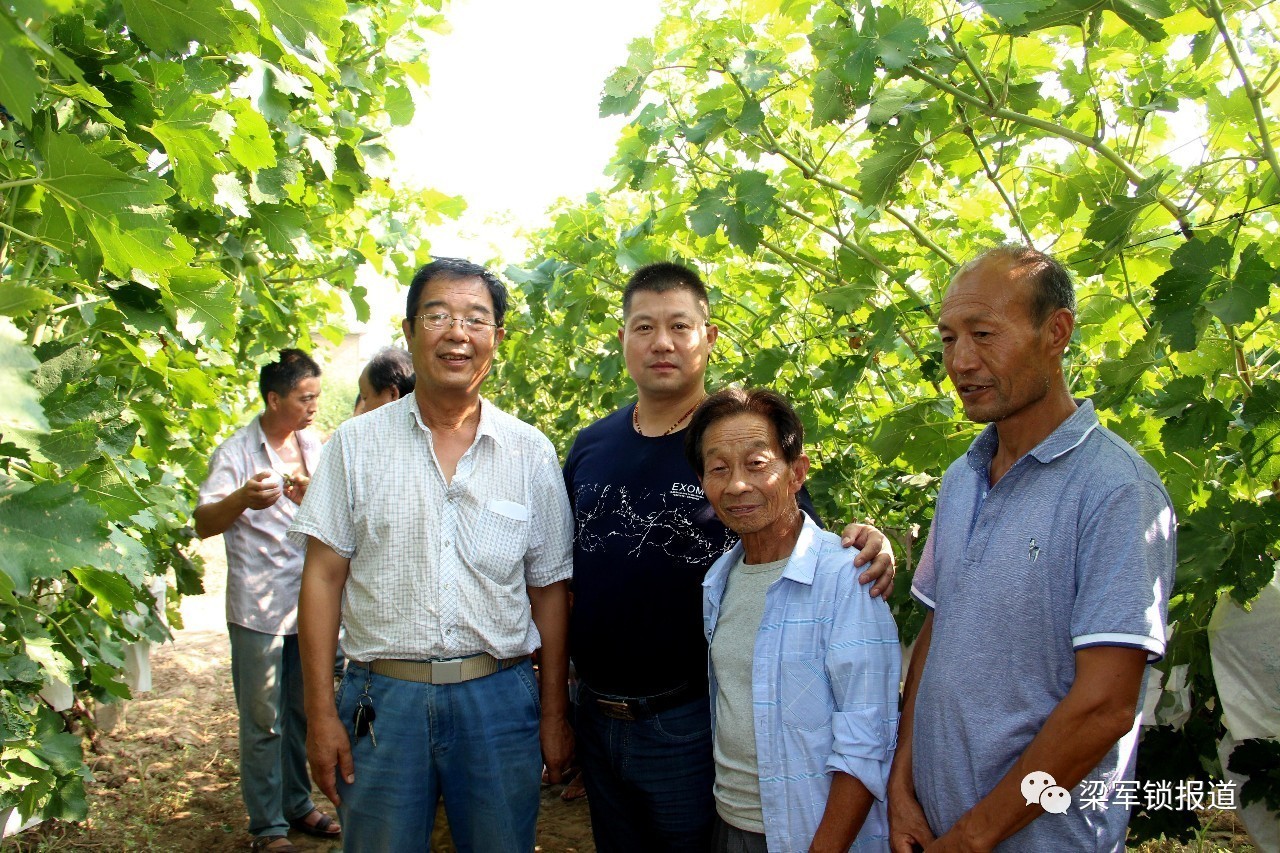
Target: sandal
{"type": "Point", "coordinates": [265, 842]}
{"type": "Point", "coordinates": [324, 826]}
{"type": "Point", "coordinates": [575, 790]}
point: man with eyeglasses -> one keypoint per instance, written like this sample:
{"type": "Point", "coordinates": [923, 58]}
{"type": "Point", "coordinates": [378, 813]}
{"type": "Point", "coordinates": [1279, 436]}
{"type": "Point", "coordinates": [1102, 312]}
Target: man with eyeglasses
{"type": "Point", "coordinates": [441, 525]}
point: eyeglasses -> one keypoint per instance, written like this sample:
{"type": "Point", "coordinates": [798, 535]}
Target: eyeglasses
{"type": "Point", "coordinates": [436, 322]}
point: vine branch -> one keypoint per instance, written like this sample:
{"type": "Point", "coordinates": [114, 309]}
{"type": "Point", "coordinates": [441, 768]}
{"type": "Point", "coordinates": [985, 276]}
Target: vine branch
{"type": "Point", "coordinates": [1135, 177]}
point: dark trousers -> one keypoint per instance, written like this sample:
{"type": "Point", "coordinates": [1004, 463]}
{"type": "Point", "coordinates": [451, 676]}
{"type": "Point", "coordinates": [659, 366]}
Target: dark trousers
{"type": "Point", "coordinates": [648, 780]}
{"type": "Point", "coordinates": [730, 839]}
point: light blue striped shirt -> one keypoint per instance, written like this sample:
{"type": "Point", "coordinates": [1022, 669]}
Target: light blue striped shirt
{"type": "Point", "coordinates": [825, 680]}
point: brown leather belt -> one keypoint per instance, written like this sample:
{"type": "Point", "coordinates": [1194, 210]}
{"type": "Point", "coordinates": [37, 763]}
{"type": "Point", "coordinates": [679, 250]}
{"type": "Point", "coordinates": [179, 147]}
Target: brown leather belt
{"type": "Point", "coordinates": [452, 671]}
{"type": "Point", "coordinates": [633, 708]}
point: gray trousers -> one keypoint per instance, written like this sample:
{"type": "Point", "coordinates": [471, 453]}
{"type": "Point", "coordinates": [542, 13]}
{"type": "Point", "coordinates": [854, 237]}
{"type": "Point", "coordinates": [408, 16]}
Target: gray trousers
{"type": "Point", "coordinates": [730, 839]}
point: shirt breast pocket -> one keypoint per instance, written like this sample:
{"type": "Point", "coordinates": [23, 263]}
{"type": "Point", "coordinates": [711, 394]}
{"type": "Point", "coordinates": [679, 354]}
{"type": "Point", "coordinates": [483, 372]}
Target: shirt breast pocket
{"type": "Point", "coordinates": [500, 539]}
{"type": "Point", "coordinates": [806, 697]}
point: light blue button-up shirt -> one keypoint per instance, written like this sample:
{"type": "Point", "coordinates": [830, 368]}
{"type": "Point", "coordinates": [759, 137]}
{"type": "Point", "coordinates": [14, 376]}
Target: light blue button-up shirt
{"type": "Point", "coordinates": [824, 683]}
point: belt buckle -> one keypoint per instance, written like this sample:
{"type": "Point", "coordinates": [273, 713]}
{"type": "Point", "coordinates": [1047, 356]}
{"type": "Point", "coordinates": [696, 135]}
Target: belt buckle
{"type": "Point", "coordinates": [617, 709]}
{"type": "Point", "coordinates": [446, 671]}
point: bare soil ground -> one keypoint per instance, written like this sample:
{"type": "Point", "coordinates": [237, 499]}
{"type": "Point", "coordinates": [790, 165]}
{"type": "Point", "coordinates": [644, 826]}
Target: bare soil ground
{"type": "Point", "coordinates": [166, 777]}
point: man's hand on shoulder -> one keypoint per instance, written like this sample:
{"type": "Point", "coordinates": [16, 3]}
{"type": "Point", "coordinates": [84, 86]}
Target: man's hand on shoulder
{"type": "Point", "coordinates": [876, 553]}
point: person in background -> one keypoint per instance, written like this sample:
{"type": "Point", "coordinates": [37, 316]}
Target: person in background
{"type": "Point", "coordinates": [804, 665]}
{"type": "Point", "coordinates": [256, 480]}
{"type": "Point", "coordinates": [386, 378]}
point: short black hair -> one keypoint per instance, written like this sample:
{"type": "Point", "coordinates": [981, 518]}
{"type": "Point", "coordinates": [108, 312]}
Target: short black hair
{"type": "Point", "coordinates": [661, 277]}
{"type": "Point", "coordinates": [1054, 288]}
{"type": "Point", "coordinates": [391, 366]}
{"type": "Point", "coordinates": [455, 268]}
{"type": "Point", "coordinates": [284, 375]}
{"type": "Point", "coordinates": [770, 405]}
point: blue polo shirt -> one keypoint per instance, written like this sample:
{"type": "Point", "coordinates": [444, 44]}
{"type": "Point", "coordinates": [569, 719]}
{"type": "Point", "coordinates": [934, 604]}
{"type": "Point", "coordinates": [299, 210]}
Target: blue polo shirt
{"type": "Point", "coordinates": [1073, 547]}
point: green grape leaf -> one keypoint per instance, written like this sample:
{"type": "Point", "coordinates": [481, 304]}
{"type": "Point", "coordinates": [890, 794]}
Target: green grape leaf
{"type": "Point", "coordinates": [1249, 290]}
{"type": "Point", "coordinates": [296, 18]}
{"type": "Point", "coordinates": [205, 303]}
{"type": "Point", "coordinates": [110, 587]}
{"type": "Point", "coordinates": [251, 145]}
{"type": "Point", "coordinates": [1119, 376]}
{"type": "Point", "coordinates": [1202, 422]}
{"type": "Point", "coordinates": [19, 83]}
{"type": "Point", "coordinates": [399, 105]}
{"type": "Point", "coordinates": [832, 100]}
{"type": "Point", "coordinates": [1013, 13]}
{"type": "Point", "coordinates": [1261, 444]}
{"type": "Point", "coordinates": [193, 147]}
{"type": "Point", "coordinates": [899, 39]}
{"type": "Point", "coordinates": [20, 406]}
{"type": "Point", "coordinates": [17, 300]}
{"type": "Point", "coordinates": [169, 26]}
{"type": "Point", "coordinates": [847, 298]}
{"type": "Point", "coordinates": [881, 172]}
{"type": "Point", "coordinates": [284, 228]}
{"type": "Point", "coordinates": [48, 528]}
{"type": "Point", "coordinates": [1193, 268]}
{"type": "Point", "coordinates": [41, 649]}
{"type": "Point", "coordinates": [118, 208]}
{"type": "Point", "coordinates": [1258, 760]}
{"type": "Point", "coordinates": [105, 487]}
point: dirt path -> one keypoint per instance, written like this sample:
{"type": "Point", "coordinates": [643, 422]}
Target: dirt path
{"type": "Point", "coordinates": [166, 778]}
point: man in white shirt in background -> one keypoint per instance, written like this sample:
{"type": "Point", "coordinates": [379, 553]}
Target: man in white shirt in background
{"type": "Point", "coordinates": [256, 480]}
{"type": "Point", "coordinates": [438, 531]}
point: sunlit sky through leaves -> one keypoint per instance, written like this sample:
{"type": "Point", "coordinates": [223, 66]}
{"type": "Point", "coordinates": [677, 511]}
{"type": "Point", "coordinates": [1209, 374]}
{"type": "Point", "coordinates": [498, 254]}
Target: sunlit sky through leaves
{"type": "Point", "coordinates": [511, 120]}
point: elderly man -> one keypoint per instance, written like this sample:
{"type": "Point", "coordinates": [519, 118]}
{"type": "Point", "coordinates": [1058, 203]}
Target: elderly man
{"type": "Point", "coordinates": [645, 539]}
{"type": "Point", "coordinates": [441, 525]}
{"type": "Point", "coordinates": [804, 666]}
{"type": "Point", "coordinates": [256, 479]}
{"type": "Point", "coordinates": [1014, 699]}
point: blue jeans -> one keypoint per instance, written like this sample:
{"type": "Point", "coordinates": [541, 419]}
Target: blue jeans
{"type": "Point", "coordinates": [649, 781]}
{"type": "Point", "coordinates": [266, 672]}
{"type": "Point", "coordinates": [474, 743]}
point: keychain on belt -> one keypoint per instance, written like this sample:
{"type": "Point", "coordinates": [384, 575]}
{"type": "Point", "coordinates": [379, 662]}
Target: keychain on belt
{"type": "Point", "coordinates": [364, 715]}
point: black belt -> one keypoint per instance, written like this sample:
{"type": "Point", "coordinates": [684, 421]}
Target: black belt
{"type": "Point", "coordinates": [640, 707]}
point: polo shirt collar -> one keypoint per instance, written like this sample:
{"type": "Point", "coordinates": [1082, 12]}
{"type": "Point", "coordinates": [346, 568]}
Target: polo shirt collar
{"type": "Point", "coordinates": [1067, 437]}
{"type": "Point", "coordinates": [488, 422]}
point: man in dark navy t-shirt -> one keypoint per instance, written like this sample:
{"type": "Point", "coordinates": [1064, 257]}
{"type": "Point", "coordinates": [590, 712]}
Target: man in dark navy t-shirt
{"type": "Point", "coordinates": [645, 536]}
